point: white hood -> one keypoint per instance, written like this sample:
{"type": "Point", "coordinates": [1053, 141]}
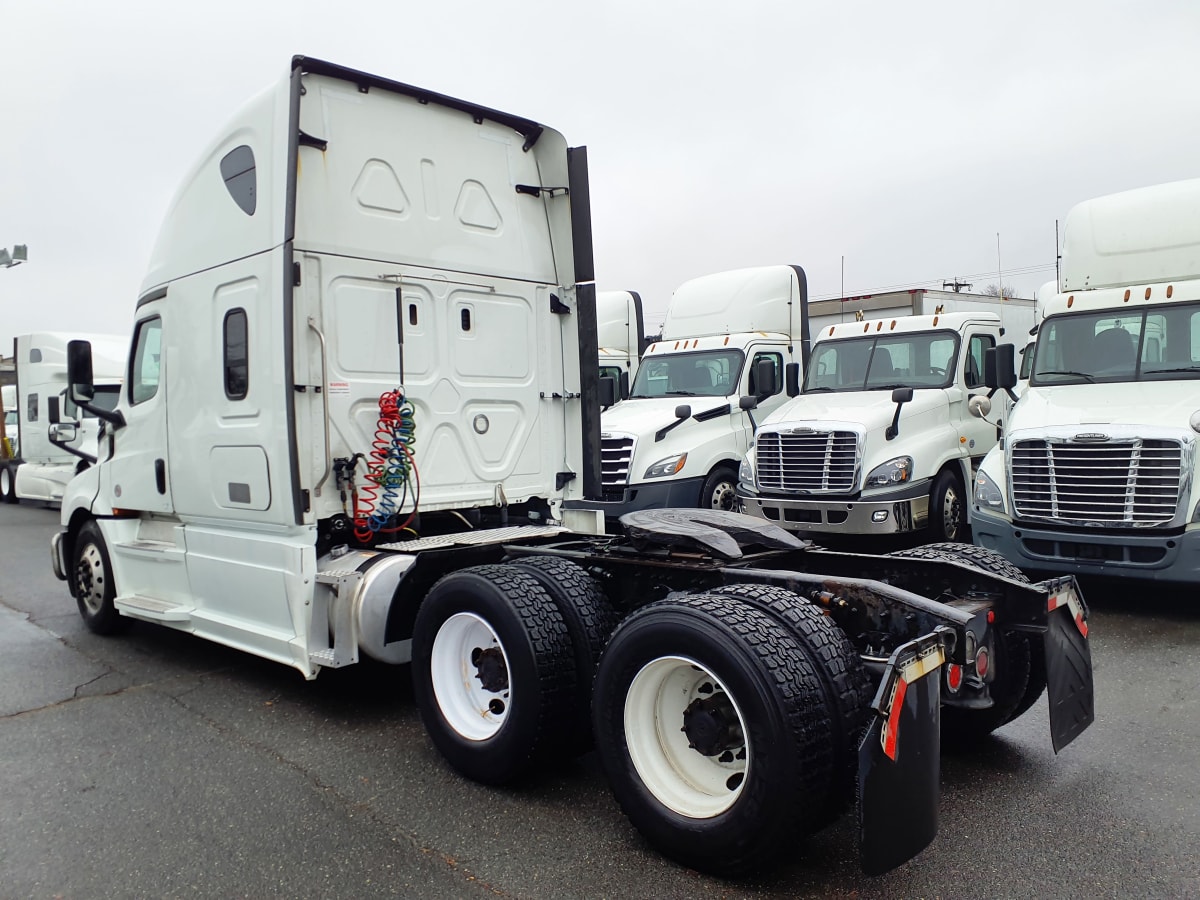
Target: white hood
{"type": "Point", "coordinates": [647, 415]}
{"type": "Point", "coordinates": [1155, 403]}
{"type": "Point", "coordinates": [873, 410]}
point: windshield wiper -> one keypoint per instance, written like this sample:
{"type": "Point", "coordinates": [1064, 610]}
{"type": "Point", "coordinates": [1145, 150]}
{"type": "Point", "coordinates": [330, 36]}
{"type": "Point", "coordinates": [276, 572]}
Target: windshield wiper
{"type": "Point", "coordinates": [1180, 369]}
{"type": "Point", "coordinates": [681, 394]}
{"type": "Point", "coordinates": [886, 387]}
{"type": "Point", "coordinates": [1084, 375]}
{"type": "Point", "coordinates": [817, 390]}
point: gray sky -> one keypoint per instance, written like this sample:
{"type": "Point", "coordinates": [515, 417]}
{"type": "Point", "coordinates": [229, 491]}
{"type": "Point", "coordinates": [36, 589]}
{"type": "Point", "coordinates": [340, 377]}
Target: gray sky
{"type": "Point", "coordinates": [902, 137]}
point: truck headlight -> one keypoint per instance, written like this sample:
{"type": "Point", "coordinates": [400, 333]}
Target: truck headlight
{"type": "Point", "coordinates": [987, 493]}
{"type": "Point", "coordinates": [664, 467]}
{"type": "Point", "coordinates": [894, 471]}
{"type": "Point", "coordinates": [746, 469]}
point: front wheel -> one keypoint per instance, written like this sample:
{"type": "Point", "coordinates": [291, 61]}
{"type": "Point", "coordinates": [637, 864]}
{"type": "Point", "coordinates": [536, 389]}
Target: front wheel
{"type": "Point", "coordinates": [720, 490]}
{"type": "Point", "coordinates": [714, 732]}
{"type": "Point", "coordinates": [8, 487]}
{"type": "Point", "coordinates": [947, 509]}
{"type": "Point", "coordinates": [93, 582]}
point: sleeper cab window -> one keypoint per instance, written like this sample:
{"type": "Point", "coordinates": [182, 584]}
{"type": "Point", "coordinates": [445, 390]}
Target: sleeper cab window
{"type": "Point", "coordinates": [145, 363]}
{"type": "Point", "coordinates": [236, 355]}
{"type": "Point", "coordinates": [237, 168]}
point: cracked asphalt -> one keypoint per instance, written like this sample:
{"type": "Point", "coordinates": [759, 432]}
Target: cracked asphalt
{"type": "Point", "coordinates": [159, 765]}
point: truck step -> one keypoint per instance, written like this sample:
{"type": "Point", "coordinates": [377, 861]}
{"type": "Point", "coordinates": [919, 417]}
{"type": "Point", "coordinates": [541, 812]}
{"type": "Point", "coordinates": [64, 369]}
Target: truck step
{"type": "Point", "coordinates": [153, 608]}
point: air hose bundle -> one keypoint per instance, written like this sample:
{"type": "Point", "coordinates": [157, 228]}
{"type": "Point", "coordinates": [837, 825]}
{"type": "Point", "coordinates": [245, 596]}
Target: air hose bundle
{"type": "Point", "coordinates": [392, 479]}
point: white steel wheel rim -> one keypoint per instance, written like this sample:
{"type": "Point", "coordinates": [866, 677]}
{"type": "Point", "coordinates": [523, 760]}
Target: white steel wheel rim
{"type": "Point", "coordinates": [723, 495]}
{"type": "Point", "coordinates": [681, 778]}
{"type": "Point", "coordinates": [472, 708]}
{"type": "Point", "coordinates": [91, 584]}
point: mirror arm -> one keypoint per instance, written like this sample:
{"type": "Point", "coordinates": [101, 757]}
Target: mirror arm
{"type": "Point", "coordinates": [894, 429]}
{"type": "Point", "coordinates": [112, 416]}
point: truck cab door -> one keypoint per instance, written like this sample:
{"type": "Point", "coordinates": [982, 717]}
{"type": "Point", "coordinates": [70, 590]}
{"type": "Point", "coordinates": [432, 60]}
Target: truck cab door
{"type": "Point", "coordinates": [140, 478]}
{"type": "Point", "coordinates": [766, 405]}
{"type": "Point", "coordinates": [979, 436]}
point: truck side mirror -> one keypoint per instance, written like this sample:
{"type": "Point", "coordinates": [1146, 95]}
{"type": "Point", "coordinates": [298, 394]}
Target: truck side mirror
{"type": "Point", "coordinates": [52, 412]}
{"type": "Point", "coordinates": [764, 379]}
{"type": "Point", "coordinates": [63, 432]}
{"type": "Point", "coordinates": [791, 375]}
{"type": "Point", "coordinates": [746, 404]}
{"type": "Point", "coordinates": [79, 371]}
{"type": "Point", "coordinates": [999, 367]}
{"type": "Point", "coordinates": [683, 411]}
{"type": "Point", "coordinates": [608, 391]}
{"type": "Point", "coordinates": [900, 396]}
{"type": "Point", "coordinates": [623, 386]}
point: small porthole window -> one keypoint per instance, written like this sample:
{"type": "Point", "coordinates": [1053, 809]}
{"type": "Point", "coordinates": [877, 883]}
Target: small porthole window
{"type": "Point", "coordinates": [465, 315]}
{"type": "Point", "coordinates": [412, 314]}
{"type": "Point", "coordinates": [237, 357]}
{"type": "Point", "coordinates": [237, 168]}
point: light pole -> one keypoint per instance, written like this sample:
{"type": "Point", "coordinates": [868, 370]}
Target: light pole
{"type": "Point", "coordinates": [20, 254]}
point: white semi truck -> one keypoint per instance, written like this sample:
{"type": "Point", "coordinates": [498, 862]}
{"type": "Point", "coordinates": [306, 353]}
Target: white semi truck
{"type": "Point", "coordinates": [42, 465]}
{"type": "Point", "coordinates": [880, 440]}
{"type": "Point", "coordinates": [1096, 471]}
{"type": "Point", "coordinates": [621, 334]}
{"type": "Point", "coordinates": [678, 439]}
{"type": "Point", "coordinates": [362, 394]}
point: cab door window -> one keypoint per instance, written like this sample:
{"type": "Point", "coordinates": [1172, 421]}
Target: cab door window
{"type": "Point", "coordinates": [776, 360]}
{"type": "Point", "coordinates": [973, 373]}
{"type": "Point", "coordinates": [145, 363]}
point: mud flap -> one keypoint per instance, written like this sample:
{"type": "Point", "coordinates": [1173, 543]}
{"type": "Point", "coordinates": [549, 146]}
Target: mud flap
{"type": "Point", "coordinates": [1068, 664]}
{"type": "Point", "coordinates": [899, 760]}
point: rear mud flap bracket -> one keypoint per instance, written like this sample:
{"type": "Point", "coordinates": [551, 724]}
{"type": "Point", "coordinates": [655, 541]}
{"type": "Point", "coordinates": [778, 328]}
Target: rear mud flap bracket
{"type": "Point", "coordinates": [899, 760]}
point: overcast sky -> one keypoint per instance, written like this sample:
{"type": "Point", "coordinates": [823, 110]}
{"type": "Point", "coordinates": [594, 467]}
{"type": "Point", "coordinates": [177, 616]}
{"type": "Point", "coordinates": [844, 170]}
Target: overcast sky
{"type": "Point", "coordinates": [900, 137]}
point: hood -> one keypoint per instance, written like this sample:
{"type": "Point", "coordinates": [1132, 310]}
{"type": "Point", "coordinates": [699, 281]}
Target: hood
{"type": "Point", "coordinates": [646, 415]}
{"type": "Point", "coordinates": [872, 409]}
{"type": "Point", "coordinates": [1155, 403]}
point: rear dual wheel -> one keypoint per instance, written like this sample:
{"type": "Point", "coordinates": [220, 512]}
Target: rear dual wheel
{"type": "Point", "coordinates": [493, 673]}
{"type": "Point", "coordinates": [713, 729]}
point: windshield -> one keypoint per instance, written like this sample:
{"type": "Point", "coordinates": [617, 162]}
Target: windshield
{"type": "Point", "coordinates": [920, 359]}
{"type": "Point", "coordinates": [1154, 343]}
{"type": "Point", "coordinates": [704, 373]}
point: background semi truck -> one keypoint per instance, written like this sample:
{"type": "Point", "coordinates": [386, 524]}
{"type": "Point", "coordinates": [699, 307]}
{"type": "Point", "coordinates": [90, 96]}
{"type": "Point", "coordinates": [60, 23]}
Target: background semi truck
{"type": "Point", "coordinates": [41, 467]}
{"type": "Point", "coordinates": [621, 335]}
{"type": "Point", "coordinates": [1095, 475]}
{"type": "Point", "coordinates": [880, 439]}
{"type": "Point", "coordinates": [678, 439]}
{"type": "Point", "coordinates": [353, 426]}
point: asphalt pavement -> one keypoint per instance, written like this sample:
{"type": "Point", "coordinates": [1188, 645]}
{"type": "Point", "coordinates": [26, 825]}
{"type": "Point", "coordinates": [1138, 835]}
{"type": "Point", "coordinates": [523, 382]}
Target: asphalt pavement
{"type": "Point", "coordinates": [155, 764]}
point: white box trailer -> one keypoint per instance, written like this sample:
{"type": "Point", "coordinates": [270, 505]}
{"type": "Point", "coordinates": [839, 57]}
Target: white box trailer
{"type": "Point", "coordinates": [362, 394]}
{"type": "Point", "coordinates": [1015, 313]}
{"type": "Point", "coordinates": [42, 466]}
{"type": "Point", "coordinates": [1095, 475]}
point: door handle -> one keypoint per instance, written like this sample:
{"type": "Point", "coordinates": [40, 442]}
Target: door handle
{"type": "Point", "coordinates": [160, 475]}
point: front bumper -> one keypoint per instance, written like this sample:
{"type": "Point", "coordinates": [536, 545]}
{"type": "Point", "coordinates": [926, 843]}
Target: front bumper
{"type": "Point", "coordinates": [896, 513]}
{"type": "Point", "coordinates": [674, 493]}
{"type": "Point", "coordinates": [1170, 558]}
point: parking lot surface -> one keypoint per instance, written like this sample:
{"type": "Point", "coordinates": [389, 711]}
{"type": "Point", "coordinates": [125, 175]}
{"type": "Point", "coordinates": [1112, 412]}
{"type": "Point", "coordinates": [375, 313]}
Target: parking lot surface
{"type": "Point", "coordinates": [157, 764]}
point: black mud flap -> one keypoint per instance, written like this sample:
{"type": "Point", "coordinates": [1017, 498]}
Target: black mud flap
{"type": "Point", "coordinates": [1068, 663]}
{"type": "Point", "coordinates": [900, 759]}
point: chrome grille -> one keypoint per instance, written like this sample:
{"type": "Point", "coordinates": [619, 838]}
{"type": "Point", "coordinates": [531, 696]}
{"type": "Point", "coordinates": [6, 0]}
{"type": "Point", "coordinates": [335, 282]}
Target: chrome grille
{"type": "Point", "coordinates": [616, 453]}
{"type": "Point", "coordinates": [1120, 483]}
{"type": "Point", "coordinates": [812, 462]}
